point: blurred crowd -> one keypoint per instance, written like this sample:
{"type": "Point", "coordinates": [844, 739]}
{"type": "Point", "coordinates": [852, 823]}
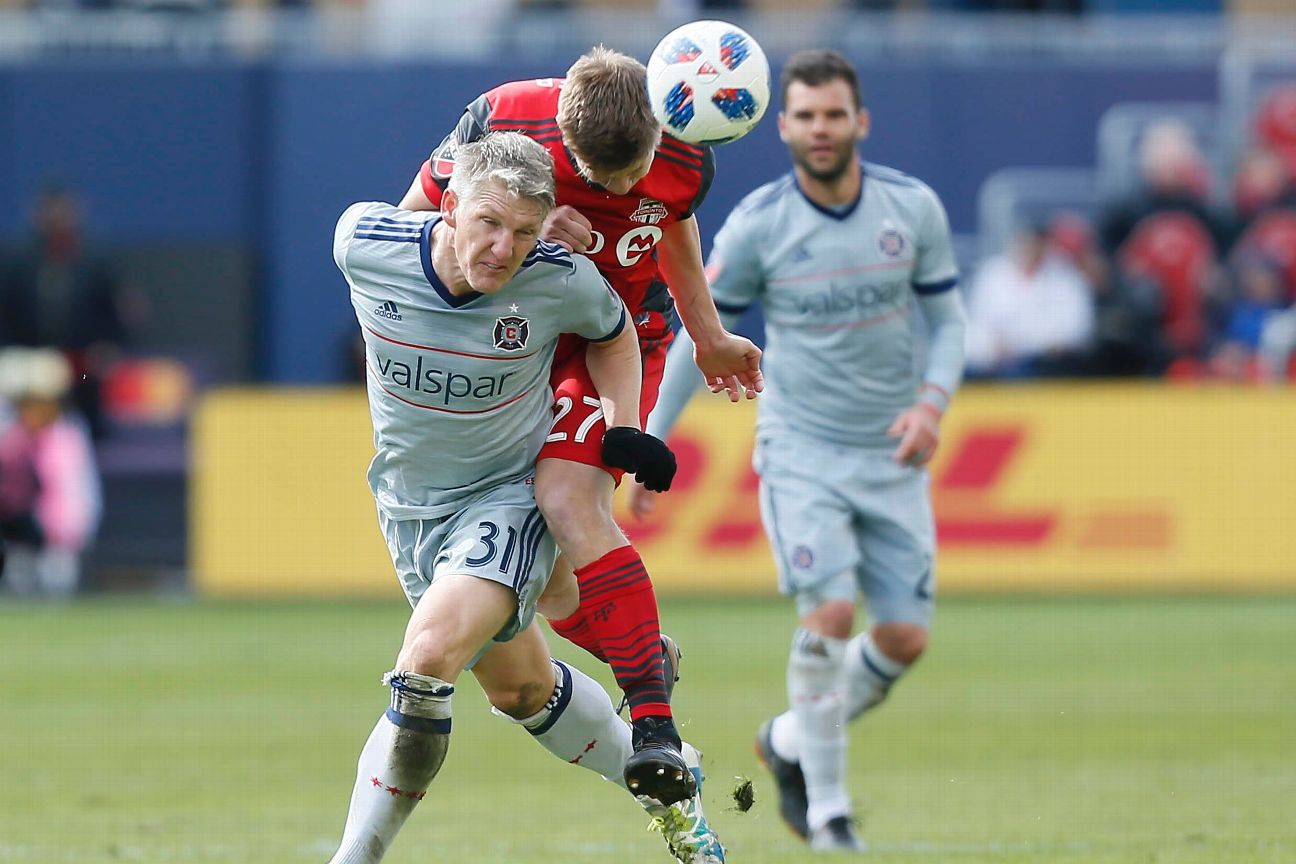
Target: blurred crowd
{"type": "Point", "coordinates": [1189, 275]}
{"type": "Point", "coordinates": [67, 317]}
{"type": "Point", "coordinates": [49, 485]}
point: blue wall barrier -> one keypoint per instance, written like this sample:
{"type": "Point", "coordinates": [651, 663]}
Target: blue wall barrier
{"type": "Point", "coordinates": [159, 150]}
{"type": "Point", "coordinates": [267, 155]}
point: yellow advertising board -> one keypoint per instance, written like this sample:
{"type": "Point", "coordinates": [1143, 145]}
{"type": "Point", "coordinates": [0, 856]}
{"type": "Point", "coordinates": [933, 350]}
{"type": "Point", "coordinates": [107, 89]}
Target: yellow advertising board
{"type": "Point", "coordinates": [278, 502]}
{"type": "Point", "coordinates": [1058, 487]}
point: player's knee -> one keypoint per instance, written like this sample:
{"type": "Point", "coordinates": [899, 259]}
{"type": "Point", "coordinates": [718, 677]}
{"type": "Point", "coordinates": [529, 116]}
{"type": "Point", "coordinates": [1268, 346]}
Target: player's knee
{"type": "Point", "coordinates": [571, 487]}
{"type": "Point", "coordinates": [555, 500]}
{"type": "Point", "coordinates": [902, 642]}
{"type": "Point", "coordinates": [559, 605]}
{"type": "Point", "coordinates": [426, 653]}
{"type": "Point", "coordinates": [835, 618]}
{"type": "Point", "coordinates": [521, 699]}
{"type": "Point", "coordinates": [565, 503]}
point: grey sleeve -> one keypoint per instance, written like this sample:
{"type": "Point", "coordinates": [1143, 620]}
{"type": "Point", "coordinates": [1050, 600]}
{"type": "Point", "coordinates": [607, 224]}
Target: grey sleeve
{"type": "Point", "coordinates": [734, 269]}
{"type": "Point", "coordinates": [936, 270]}
{"type": "Point", "coordinates": [679, 382]}
{"type": "Point", "coordinates": [591, 308]}
{"type": "Point", "coordinates": [345, 232]}
{"type": "Point", "coordinates": [946, 323]}
{"type": "Point", "coordinates": [736, 278]}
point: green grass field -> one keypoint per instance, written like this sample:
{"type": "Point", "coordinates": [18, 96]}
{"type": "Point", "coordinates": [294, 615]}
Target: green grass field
{"type": "Point", "coordinates": [1104, 731]}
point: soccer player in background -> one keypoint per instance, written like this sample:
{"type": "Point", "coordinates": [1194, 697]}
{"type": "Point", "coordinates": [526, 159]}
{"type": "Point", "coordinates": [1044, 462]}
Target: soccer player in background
{"type": "Point", "coordinates": [461, 313]}
{"type": "Point", "coordinates": [835, 253]}
{"type": "Point", "coordinates": [626, 196]}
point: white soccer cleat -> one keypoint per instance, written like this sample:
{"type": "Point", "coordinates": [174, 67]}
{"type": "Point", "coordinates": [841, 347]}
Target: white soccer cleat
{"type": "Point", "coordinates": [688, 835]}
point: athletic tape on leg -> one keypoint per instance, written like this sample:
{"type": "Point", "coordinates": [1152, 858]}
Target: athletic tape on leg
{"type": "Point", "coordinates": [420, 703]}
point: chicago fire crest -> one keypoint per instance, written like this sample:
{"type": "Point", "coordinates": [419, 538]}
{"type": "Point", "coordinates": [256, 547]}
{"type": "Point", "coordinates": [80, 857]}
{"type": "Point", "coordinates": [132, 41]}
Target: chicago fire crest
{"type": "Point", "coordinates": [511, 333]}
{"type": "Point", "coordinates": [891, 242]}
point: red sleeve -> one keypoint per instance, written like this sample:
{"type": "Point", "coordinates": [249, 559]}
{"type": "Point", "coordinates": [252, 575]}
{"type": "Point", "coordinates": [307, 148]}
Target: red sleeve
{"type": "Point", "coordinates": [430, 187]}
{"type": "Point", "coordinates": [704, 184]}
{"type": "Point", "coordinates": [434, 175]}
{"type": "Point", "coordinates": [694, 170]}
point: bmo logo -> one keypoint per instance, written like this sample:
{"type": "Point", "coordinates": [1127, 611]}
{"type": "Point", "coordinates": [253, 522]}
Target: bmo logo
{"type": "Point", "coordinates": [632, 245]}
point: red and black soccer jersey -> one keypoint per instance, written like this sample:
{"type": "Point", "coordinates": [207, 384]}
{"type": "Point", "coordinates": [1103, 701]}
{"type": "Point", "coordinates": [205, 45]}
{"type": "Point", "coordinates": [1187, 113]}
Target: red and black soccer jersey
{"type": "Point", "coordinates": [626, 227]}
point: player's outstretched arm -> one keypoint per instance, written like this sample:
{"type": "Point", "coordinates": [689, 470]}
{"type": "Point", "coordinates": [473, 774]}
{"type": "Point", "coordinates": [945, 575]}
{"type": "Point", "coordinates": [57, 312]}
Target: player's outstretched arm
{"type": "Point", "coordinates": [679, 385]}
{"type": "Point", "coordinates": [727, 362]}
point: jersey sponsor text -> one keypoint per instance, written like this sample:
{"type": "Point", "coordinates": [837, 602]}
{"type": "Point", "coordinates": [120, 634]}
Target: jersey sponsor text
{"type": "Point", "coordinates": [445, 384]}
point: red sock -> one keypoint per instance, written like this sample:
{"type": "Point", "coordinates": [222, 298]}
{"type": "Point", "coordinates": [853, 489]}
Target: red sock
{"type": "Point", "coordinates": [575, 629]}
{"type": "Point", "coordinates": [620, 610]}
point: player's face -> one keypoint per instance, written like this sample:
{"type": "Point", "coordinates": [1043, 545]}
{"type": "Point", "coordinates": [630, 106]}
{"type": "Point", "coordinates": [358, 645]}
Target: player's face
{"type": "Point", "coordinates": [617, 182]}
{"type": "Point", "coordinates": [821, 126]}
{"type": "Point", "coordinates": [494, 231]}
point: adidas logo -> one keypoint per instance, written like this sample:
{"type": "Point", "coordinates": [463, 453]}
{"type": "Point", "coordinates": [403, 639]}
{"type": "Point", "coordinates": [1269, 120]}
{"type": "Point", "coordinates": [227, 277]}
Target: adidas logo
{"type": "Point", "coordinates": [388, 310]}
{"type": "Point", "coordinates": [801, 254]}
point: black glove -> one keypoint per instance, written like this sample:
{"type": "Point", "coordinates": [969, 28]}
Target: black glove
{"type": "Point", "coordinates": [649, 459]}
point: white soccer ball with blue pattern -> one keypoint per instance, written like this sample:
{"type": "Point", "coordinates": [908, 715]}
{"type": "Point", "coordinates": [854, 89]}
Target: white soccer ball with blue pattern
{"type": "Point", "coordinates": [708, 82]}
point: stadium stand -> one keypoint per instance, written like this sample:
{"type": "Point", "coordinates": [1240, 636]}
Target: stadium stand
{"type": "Point", "coordinates": [1246, 78]}
{"type": "Point", "coordinates": [1174, 252]}
{"type": "Point", "coordinates": [1184, 193]}
{"type": "Point", "coordinates": [1012, 197]}
{"type": "Point", "coordinates": [1273, 235]}
{"type": "Point", "coordinates": [1121, 133]}
{"type": "Point", "coordinates": [1275, 123]}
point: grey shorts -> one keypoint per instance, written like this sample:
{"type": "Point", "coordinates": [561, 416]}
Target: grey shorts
{"type": "Point", "coordinates": [498, 535]}
{"type": "Point", "coordinates": [844, 521]}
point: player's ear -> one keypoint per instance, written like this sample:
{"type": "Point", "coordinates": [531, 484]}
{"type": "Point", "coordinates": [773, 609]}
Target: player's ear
{"type": "Point", "coordinates": [862, 125]}
{"type": "Point", "coordinates": [782, 126]}
{"type": "Point", "coordinates": [450, 207]}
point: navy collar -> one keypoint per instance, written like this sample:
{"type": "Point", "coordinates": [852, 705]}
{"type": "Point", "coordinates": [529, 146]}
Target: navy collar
{"type": "Point", "coordinates": [425, 256]}
{"type": "Point", "coordinates": [839, 215]}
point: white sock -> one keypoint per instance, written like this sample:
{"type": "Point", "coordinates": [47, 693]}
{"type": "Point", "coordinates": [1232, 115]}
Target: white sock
{"type": "Point", "coordinates": [403, 754]}
{"type": "Point", "coordinates": [578, 725]}
{"type": "Point", "coordinates": [785, 733]}
{"type": "Point", "coordinates": [867, 685]}
{"type": "Point", "coordinates": [815, 689]}
{"type": "Point", "coordinates": [869, 675]}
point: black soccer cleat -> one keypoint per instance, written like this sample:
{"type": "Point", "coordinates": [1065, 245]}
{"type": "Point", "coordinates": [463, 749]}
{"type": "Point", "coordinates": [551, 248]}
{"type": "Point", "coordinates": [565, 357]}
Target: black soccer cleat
{"type": "Point", "coordinates": [657, 769]}
{"type": "Point", "coordinates": [838, 835]}
{"type": "Point", "coordinates": [793, 804]}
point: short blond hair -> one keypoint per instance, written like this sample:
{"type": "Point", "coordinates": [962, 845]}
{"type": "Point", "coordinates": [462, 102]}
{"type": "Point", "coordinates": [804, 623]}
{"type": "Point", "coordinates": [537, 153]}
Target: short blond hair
{"type": "Point", "coordinates": [510, 159]}
{"type": "Point", "coordinates": [604, 113]}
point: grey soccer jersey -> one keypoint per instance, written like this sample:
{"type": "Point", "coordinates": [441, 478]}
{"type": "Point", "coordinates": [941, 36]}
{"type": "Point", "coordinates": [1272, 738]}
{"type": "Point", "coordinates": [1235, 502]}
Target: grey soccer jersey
{"type": "Point", "coordinates": [458, 385]}
{"type": "Point", "coordinates": [836, 290]}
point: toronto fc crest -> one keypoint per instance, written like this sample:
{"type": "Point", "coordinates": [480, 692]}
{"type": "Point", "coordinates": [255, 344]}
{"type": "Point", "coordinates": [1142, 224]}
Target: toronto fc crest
{"type": "Point", "coordinates": [650, 211]}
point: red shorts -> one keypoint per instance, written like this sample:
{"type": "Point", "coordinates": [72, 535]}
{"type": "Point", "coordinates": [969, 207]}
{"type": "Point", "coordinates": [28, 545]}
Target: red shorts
{"type": "Point", "coordinates": [577, 432]}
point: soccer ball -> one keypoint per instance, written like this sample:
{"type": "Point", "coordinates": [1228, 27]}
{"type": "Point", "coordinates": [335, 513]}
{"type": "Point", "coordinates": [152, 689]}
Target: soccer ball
{"type": "Point", "coordinates": [708, 82]}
